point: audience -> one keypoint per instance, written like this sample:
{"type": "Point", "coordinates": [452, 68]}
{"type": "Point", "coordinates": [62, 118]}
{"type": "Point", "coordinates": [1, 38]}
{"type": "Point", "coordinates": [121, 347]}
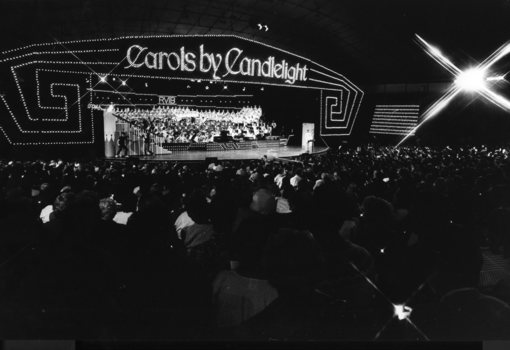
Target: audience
{"type": "Point", "coordinates": [319, 247]}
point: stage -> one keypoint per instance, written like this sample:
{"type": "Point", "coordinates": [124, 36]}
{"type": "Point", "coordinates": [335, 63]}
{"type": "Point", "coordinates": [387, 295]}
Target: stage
{"type": "Point", "coordinates": [282, 152]}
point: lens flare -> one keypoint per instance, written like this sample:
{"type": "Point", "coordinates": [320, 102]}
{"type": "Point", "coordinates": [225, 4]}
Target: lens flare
{"type": "Point", "coordinates": [402, 312]}
{"type": "Point", "coordinates": [471, 80]}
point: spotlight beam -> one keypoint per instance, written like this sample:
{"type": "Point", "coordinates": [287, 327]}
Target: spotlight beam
{"type": "Point", "coordinates": [408, 310]}
{"type": "Point", "coordinates": [433, 110]}
{"type": "Point", "coordinates": [495, 56]}
{"type": "Point", "coordinates": [460, 77]}
{"type": "Point", "coordinates": [438, 56]}
{"type": "Point", "coordinates": [495, 98]}
{"type": "Point", "coordinates": [93, 71]}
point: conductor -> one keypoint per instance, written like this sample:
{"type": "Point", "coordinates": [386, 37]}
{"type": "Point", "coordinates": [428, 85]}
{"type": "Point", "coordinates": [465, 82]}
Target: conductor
{"type": "Point", "coordinates": [122, 144]}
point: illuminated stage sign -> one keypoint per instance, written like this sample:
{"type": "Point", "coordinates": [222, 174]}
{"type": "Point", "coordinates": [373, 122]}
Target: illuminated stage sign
{"type": "Point", "coordinates": [50, 87]}
{"type": "Point", "coordinates": [218, 65]}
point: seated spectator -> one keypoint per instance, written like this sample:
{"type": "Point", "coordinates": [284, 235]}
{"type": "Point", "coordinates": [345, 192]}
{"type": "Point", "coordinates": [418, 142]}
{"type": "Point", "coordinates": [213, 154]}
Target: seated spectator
{"type": "Point", "coordinates": [182, 221]}
{"type": "Point", "coordinates": [376, 229]}
{"type": "Point", "coordinates": [283, 202]}
{"type": "Point", "coordinates": [261, 212]}
{"type": "Point", "coordinates": [108, 208]}
{"type": "Point", "coordinates": [201, 231]}
{"type": "Point", "coordinates": [242, 293]}
{"type": "Point", "coordinates": [163, 293]}
{"type": "Point", "coordinates": [295, 268]}
{"type": "Point", "coordinates": [45, 213]}
{"type": "Point", "coordinates": [200, 240]}
{"type": "Point", "coordinates": [59, 216]}
{"type": "Point", "coordinates": [64, 275]}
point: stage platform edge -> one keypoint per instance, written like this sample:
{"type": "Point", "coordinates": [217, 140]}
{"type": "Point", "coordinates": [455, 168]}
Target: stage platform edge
{"type": "Point", "coordinates": [278, 153]}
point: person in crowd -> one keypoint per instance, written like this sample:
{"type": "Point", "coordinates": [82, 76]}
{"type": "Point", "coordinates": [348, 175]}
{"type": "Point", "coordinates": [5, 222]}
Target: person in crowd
{"type": "Point", "coordinates": [109, 209]}
{"type": "Point", "coordinates": [261, 211]}
{"type": "Point", "coordinates": [201, 230]}
{"type": "Point", "coordinates": [243, 292]}
{"type": "Point", "coordinates": [59, 215]}
{"type": "Point", "coordinates": [377, 224]}
{"type": "Point", "coordinates": [182, 221]}
{"type": "Point", "coordinates": [157, 276]}
{"type": "Point", "coordinates": [295, 267]}
{"type": "Point", "coordinates": [199, 239]}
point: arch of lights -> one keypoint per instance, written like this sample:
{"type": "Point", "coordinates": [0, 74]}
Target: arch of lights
{"type": "Point", "coordinates": [52, 88]}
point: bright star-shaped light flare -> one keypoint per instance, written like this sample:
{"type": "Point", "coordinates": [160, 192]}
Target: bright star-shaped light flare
{"type": "Point", "coordinates": [471, 80]}
{"type": "Point", "coordinates": [402, 312]}
{"type": "Point", "coordinates": [474, 79]}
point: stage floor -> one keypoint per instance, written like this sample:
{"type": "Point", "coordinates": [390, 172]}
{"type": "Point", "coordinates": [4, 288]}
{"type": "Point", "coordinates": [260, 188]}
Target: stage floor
{"type": "Point", "coordinates": [256, 153]}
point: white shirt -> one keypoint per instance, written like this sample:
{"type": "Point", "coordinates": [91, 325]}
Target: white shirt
{"type": "Point", "coordinates": [122, 217]}
{"type": "Point", "coordinates": [282, 206]}
{"type": "Point", "coordinates": [295, 180]}
{"type": "Point", "coordinates": [278, 180]}
{"type": "Point", "coordinates": [182, 222]}
{"type": "Point", "coordinates": [45, 213]}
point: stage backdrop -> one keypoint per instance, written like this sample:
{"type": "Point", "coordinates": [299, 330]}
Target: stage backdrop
{"type": "Point", "coordinates": [53, 93]}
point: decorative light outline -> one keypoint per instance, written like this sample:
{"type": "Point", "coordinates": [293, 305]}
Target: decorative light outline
{"type": "Point", "coordinates": [48, 131]}
{"type": "Point", "coordinates": [346, 116]}
{"type": "Point", "coordinates": [40, 106]}
{"type": "Point", "coordinates": [180, 78]}
{"type": "Point", "coordinates": [56, 53]}
{"type": "Point", "coordinates": [180, 105]}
